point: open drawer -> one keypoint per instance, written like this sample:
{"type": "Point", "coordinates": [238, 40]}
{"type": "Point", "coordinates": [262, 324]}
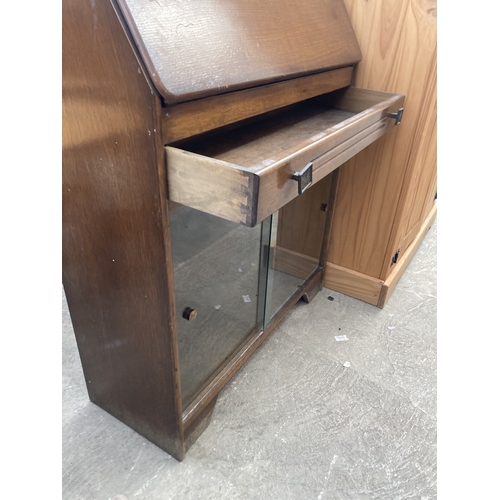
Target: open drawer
{"type": "Point", "coordinates": [247, 173]}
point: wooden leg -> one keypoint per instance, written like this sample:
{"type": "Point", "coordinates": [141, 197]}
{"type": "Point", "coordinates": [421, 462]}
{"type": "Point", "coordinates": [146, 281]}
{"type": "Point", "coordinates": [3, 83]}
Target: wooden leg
{"type": "Point", "coordinates": [313, 289]}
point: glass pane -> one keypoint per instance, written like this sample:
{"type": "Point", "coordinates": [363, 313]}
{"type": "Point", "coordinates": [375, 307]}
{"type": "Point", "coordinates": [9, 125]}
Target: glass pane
{"type": "Point", "coordinates": [296, 239]}
{"type": "Point", "coordinates": [217, 270]}
{"type": "Point", "coordinates": [230, 280]}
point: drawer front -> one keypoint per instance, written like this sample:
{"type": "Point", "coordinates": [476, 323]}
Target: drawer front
{"type": "Point", "coordinates": [249, 173]}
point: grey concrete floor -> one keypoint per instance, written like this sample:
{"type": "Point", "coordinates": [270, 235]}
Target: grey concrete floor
{"type": "Point", "coordinates": [308, 417]}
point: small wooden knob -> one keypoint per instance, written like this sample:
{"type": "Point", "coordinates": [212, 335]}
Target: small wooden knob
{"type": "Point", "coordinates": [189, 314]}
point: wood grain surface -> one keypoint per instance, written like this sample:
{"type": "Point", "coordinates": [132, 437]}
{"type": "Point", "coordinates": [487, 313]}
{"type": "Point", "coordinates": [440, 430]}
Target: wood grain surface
{"type": "Point", "coordinates": [372, 290]}
{"type": "Point", "coordinates": [386, 191]}
{"type": "Point", "coordinates": [301, 225]}
{"type": "Point", "coordinates": [398, 269]}
{"type": "Point", "coordinates": [420, 185]}
{"type": "Point", "coordinates": [293, 263]}
{"type": "Point", "coordinates": [217, 46]}
{"type": "Point", "coordinates": [245, 174]}
{"type": "Point", "coordinates": [354, 284]}
{"type": "Point", "coordinates": [115, 255]}
{"type": "Point", "coordinates": [117, 260]}
{"type": "Point", "coordinates": [213, 186]}
{"type": "Point", "coordinates": [192, 118]}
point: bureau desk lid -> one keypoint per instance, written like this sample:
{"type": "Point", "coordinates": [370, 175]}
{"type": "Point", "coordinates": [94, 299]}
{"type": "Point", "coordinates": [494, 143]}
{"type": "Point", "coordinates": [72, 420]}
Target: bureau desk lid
{"type": "Point", "coordinates": [198, 48]}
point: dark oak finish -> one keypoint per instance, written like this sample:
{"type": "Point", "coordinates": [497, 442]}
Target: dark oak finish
{"type": "Point", "coordinates": [244, 175]}
{"type": "Point", "coordinates": [193, 118]}
{"type": "Point", "coordinates": [215, 107]}
{"type": "Point", "coordinates": [115, 269]}
{"type": "Point", "coordinates": [219, 46]}
{"type": "Point", "coordinates": [312, 292]}
{"type": "Point", "coordinates": [202, 420]}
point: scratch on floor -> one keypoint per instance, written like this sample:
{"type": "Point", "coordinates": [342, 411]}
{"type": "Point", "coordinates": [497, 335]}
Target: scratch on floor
{"type": "Point", "coordinates": [135, 463]}
{"type": "Point", "coordinates": [327, 478]}
{"type": "Point", "coordinates": [148, 482]}
{"type": "Point", "coordinates": [419, 305]}
{"type": "Point", "coordinates": [411, 291]}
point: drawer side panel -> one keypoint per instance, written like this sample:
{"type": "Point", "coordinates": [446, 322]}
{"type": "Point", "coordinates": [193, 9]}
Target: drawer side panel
{"type": "Point", "coordinates": [212, 186]}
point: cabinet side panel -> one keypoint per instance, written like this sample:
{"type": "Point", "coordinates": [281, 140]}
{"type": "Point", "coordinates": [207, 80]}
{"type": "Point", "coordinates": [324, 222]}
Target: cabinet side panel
{"type": "Point", "coordinates": [115, 260]}
{"type": "Point", "coordinates": [398, 42]}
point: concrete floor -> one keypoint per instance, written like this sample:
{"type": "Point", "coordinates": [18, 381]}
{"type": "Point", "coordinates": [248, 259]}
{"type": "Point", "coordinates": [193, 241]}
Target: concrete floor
{"type": "Point", "coordinates": [307, 417]}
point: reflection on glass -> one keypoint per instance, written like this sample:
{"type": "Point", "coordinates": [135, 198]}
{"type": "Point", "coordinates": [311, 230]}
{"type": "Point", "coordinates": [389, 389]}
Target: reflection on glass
{"type": "Point", "coordinates": [231, 280]}
{"type": "Point", "coordinates": [216, 274]}
{"type": "Point", "coordinates": [283, 277]}
{"type": "Point", "coordinates": [296, 238]}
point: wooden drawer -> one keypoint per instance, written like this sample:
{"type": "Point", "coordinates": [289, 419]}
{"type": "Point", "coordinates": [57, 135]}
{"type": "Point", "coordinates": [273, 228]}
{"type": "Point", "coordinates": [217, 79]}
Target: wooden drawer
{"type": "Point", "coordinates": [247, 173]}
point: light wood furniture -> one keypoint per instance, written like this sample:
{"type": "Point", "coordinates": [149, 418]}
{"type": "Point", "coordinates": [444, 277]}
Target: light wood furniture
{"type": "Point", "coordinates": [200, 157]}
{"type": "Point", "coordinates": [386, 194]}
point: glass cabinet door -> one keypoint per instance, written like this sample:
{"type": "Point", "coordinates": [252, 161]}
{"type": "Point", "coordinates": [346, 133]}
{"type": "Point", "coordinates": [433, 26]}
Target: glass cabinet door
{"type": "Point", "coordinates": [231, 280]}
{"type": "Point", "coordinates": [295, 242]}
{"type": "Point", "coordinates": [216, 283]}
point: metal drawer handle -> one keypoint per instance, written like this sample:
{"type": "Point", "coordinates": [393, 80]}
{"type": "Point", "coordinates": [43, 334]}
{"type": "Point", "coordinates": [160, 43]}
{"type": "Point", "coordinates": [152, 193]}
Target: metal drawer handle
{"type": "Point", "coordinates": [304, 177]}
{"type": "Point", "coordinates": [397, 116]}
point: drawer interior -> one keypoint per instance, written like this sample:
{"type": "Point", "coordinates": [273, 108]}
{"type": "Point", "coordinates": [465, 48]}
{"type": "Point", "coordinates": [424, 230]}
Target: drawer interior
{"type": "Point", "coordinates": [245, 173]}
{"type": "Point", "coordinates": [270, 138]}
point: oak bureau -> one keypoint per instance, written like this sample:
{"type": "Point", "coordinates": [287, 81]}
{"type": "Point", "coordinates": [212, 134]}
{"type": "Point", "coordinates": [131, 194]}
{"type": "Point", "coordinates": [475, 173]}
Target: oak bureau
{"type": "Point", "coordinates": [200, 148]}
